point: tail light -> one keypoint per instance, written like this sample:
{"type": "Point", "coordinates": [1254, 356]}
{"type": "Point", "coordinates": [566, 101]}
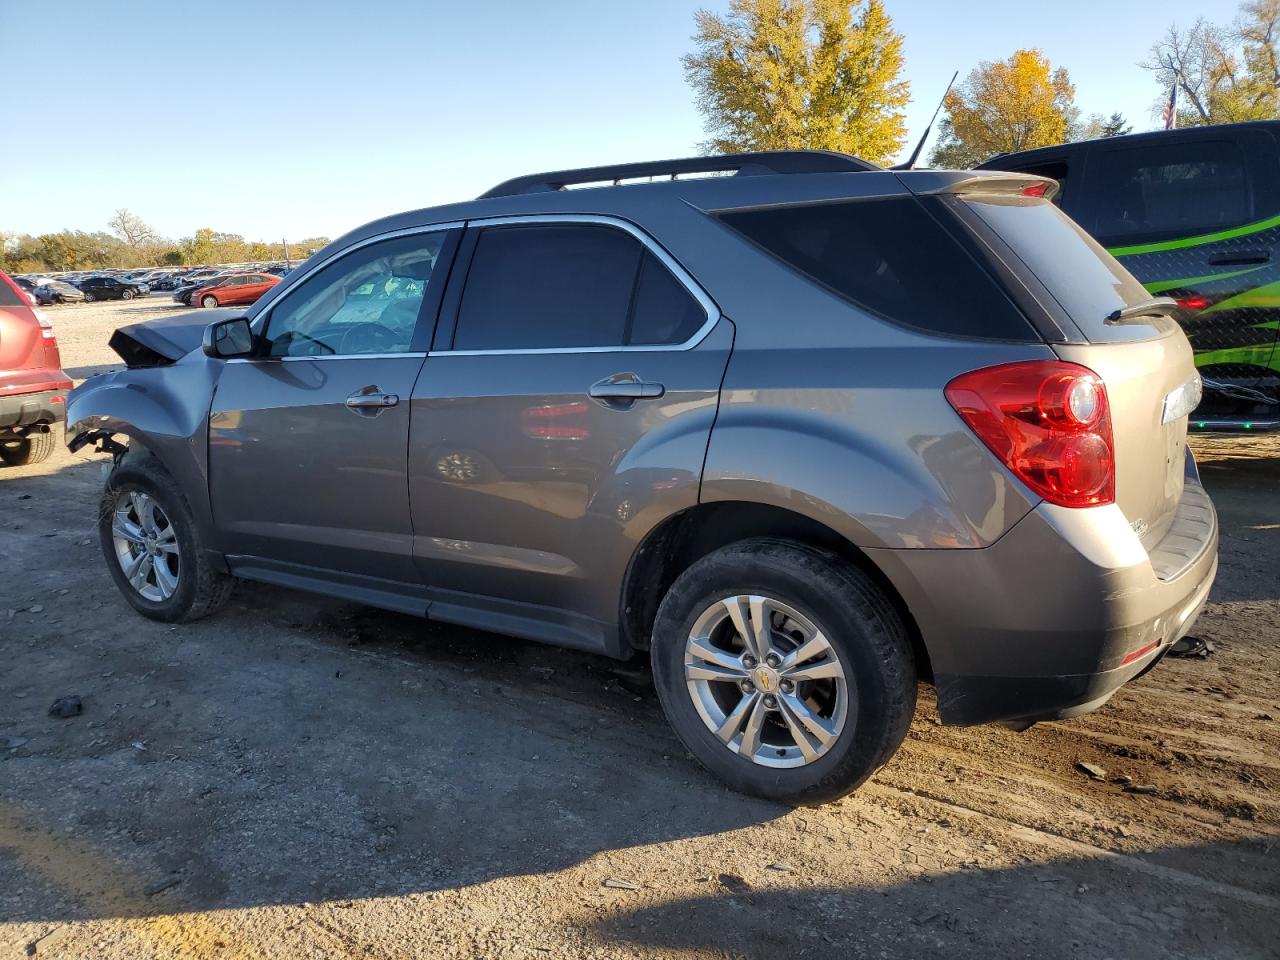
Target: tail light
{"type": "Point", "coordinates": [1048, 422]}
{"type": "Point", "coordinates": [46, 328]}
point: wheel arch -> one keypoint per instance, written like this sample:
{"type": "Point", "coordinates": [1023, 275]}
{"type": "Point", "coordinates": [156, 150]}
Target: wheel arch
{"type": "Point", "coordinates": [161, 411]}
{"type": "Point", "coordinates": [683, 538]}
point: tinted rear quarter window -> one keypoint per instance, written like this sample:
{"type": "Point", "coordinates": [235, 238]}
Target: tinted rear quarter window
{"type": "Point", "coordinates": [891, 257]}
{"type": "Point", "coordinates": [664, 311]}
{"type": "Point", "coordinates": [1148, 194]}
{"type": "Point", "coordinates": [9, 297]}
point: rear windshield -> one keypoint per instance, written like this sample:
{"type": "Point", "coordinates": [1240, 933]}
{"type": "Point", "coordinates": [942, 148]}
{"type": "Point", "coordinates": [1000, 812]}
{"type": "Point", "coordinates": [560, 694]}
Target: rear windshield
{"type": "Point", "coordinates": [9, 296]}
{"type": "Point", "coordinates": [1088, 282]}
{"type": "Point", "coordinates": [892, 258]}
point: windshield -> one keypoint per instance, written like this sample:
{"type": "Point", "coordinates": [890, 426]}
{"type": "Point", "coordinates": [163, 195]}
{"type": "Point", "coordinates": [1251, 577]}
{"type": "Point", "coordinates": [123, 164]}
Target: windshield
{"type": "Point", "coordinates": [1088, 282]}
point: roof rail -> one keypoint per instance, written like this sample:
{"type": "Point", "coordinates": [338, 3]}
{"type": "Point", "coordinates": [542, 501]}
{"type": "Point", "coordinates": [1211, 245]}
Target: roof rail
{"type": "Point", "coordinates": [740, 164]}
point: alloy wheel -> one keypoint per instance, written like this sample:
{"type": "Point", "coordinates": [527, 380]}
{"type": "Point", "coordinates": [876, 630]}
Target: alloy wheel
{"type": "Point", "coordinates": [146, 545]}
{"type": "Point", "coordinates": [766, 681]}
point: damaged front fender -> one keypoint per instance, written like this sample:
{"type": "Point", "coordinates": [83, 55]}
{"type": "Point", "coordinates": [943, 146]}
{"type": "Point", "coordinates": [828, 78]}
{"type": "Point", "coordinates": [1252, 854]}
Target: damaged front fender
{"type": "Point", "coordinates": [164, 409]}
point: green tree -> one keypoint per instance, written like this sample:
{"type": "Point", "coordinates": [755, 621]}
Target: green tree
{"type": "Point", "coordinates": [1224, 74]}
{"type": "Point", "coordinates": [1116, 126]}
{"type": "Point", "coordinates": [198, 248]}
{"type": "Point", "coordinates": [800, 74]}
{"type": "Point", "coordinates": [1007, 105]}
{"type": "Point", "coordinates": [950, 152]}
{"type": "Point", "coordinates": [1098, 127]}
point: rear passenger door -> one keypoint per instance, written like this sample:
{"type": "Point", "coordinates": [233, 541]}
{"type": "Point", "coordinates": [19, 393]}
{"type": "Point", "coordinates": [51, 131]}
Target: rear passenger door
{"type": "Point", "coordinates": [1195, 218]}
{"type": "Point", "coordinates": [563, 412]}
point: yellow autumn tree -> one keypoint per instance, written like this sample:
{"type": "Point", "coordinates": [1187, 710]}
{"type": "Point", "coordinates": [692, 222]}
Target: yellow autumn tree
{"type": "Point", "coordinates": [800, 74]}
{"type": "Point", "coordinates": [1008, 105]}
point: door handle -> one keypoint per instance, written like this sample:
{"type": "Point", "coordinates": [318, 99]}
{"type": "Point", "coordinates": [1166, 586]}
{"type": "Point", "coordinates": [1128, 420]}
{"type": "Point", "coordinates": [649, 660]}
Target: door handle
{"type": "Point", "coordinates": [371, 398]}
{"type": "Point", "coordinates": [624, 389]}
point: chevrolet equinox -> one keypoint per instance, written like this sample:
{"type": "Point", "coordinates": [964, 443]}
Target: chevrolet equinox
{"type": "Point", "coordinates": [807, 430]}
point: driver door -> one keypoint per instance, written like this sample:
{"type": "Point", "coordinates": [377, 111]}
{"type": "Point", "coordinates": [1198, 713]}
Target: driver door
{"type": "Point", "coordinates": [308, 438]}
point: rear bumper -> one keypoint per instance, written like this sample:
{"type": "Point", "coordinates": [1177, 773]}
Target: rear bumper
{"type": "Point", "coordinates": [29, 409]}
{"type": "Point", "coordinates": [1050, 620]}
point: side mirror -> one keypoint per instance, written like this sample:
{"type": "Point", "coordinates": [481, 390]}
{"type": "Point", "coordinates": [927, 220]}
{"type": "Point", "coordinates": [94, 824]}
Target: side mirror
{"type": "Point", "coordinates": [228, 338]}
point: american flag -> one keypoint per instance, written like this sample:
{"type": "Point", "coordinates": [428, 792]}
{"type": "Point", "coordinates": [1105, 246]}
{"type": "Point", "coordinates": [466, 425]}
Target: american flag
{"type": "Point", "coordinates": [1171, 108]}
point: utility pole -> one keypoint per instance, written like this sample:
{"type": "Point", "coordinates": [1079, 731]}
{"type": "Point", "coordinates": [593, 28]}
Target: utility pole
{"type": "Point", "coordinates": [287, 264]}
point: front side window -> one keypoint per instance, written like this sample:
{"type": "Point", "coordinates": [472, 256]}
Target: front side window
{"type": "Point", "coordinates": [570, 285]}
{"type": "Point", "coordinates": [366, 302]}
{"type": "Point", "coordinates": [1149, 194]}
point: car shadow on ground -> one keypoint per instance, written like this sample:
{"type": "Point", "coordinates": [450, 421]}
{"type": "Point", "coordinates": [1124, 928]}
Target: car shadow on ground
{"type": "Point", "coordinates": [297, 749]}
{"type": "Point", "coordinates": [1086, 907]}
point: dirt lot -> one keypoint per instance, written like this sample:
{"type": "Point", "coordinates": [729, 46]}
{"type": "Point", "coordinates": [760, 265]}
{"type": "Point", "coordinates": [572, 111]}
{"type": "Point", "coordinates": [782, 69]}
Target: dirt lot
{"type": "Point", "coordinates": [299, 777]}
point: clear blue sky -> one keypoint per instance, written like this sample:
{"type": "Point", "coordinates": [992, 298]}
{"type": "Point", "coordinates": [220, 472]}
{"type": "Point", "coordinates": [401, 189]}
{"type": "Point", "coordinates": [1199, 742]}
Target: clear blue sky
{"type": "Point", "coordinates": [310, 118]}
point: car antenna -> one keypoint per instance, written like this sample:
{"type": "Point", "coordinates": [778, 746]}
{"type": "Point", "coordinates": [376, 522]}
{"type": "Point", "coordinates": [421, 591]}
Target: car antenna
{"type": "Point", "coordinates": [915, 154]}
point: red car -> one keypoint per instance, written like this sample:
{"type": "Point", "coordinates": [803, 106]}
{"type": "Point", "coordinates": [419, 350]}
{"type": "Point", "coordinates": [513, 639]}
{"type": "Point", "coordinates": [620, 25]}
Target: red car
{"type": "Point", "coordinates": [236, 289]}
{"type": "Point", "coordinates": [33, 387]}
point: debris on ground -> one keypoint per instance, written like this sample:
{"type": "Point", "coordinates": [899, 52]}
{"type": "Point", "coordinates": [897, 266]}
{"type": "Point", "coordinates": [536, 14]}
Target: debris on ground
{"type": "Point", "coordinates": [49, 943]}
{"type": "Point", "coordinates": [1139, 788]}
{"type": "Point", "coordinates": [64, 708]}
{"type": "Point", "coordinates": [1094, 771]}
{"type": "Point", "coordinates": [616, 884]}
{"type": "Point", "coordinates": [1192, 647]}
{"type": "Point", "coordinates": [162, 886]}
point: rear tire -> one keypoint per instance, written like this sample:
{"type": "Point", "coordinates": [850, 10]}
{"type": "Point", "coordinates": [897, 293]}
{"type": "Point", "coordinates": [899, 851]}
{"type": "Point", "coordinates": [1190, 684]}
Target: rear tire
{"type": "Point", "coordinates": [195, 588]}
{"type": "Point", "coordinates": [808, 592]}
{"type": "Point", "coordinates": [33, 448]}
{"type": "Point", "coordinates": [127, 295]}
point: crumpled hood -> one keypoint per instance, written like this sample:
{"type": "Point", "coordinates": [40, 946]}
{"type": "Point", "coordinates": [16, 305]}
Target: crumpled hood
{"type": "Point", "coordinates": [157, 342]}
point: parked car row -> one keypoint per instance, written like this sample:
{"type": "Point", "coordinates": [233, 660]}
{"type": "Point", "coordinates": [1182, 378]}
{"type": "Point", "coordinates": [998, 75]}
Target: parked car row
{"type": "Point", "coordinates": [239, 285]}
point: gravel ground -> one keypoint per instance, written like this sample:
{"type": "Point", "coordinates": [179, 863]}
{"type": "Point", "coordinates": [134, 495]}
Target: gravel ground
{"type": "Point", "coordinates": [299, 777]}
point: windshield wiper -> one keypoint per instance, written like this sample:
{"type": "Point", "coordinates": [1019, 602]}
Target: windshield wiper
{"type": "Point", "coordinates": [1155, 307]}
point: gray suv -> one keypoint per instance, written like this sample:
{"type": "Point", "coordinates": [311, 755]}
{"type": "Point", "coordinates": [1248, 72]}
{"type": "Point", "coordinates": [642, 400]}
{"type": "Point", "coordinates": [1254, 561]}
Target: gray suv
{"type": "Point", "coordinates": [806, 430]}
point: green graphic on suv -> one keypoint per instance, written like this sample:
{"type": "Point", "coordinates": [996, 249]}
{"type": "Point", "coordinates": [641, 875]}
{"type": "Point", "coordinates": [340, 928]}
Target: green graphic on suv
{"type": "Point", "coordinates": [1193, 214]}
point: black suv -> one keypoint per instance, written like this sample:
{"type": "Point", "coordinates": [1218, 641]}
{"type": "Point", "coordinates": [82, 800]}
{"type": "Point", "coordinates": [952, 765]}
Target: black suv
{"type": "Point", "coordinates": [1195, 215]}
{"type": "Point", "coordinates": [109, 288]}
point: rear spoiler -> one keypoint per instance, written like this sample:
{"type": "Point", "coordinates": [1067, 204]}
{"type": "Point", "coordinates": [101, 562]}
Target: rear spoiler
{"type": "Point", "coordinates": [979, 183]}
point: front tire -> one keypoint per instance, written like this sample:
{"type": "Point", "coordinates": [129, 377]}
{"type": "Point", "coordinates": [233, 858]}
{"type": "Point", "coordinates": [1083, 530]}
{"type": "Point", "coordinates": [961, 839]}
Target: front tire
{"type": "Point", "coordinates": [33, 448]}
{"type": "Point", "coordinates": [126, 295]}
{"type": "Point", "coordinates": [89, 298]}
{"type": "Point", "coordinates": [209, 302]}
{"type": "Point", "coordinates": [784, 670]}
{"type": "Point", "coordinates": [153, 548]}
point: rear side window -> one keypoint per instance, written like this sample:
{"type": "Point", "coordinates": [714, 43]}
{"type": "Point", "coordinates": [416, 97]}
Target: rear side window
{"type": "Point", "coordinates": [892, 258]}
{"type": "Point", "coordinates": [565, 285]}
{"type": "Point", "coordinates": [9, 297]}
{"type": "Point", "coordinates": [1148, 194]}
{"type": "Point", "coordinates": [663, 312]}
